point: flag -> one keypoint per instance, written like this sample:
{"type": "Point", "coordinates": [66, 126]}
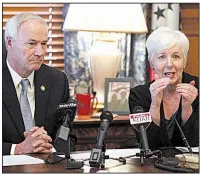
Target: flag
{"type": "Point", "coordinates": [164, 15]}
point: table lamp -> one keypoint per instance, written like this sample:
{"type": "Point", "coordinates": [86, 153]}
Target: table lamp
{"type": "Point", "coordinates": [108, 21]}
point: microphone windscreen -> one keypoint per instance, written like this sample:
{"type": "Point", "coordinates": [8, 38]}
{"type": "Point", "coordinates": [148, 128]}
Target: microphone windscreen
{"type": "Point", "coordinates": [68, 108]}
{"type": "Point", "coordinates": [137, 109]}
{"type": "Point", "coordinates": [71, 100]}
{"type": "Point", "coordinates": [106, 115]}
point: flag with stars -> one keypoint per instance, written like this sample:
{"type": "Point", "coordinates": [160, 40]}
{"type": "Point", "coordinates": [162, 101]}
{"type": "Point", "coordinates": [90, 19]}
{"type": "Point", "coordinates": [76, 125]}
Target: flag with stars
{"type": "Point", "coordinates": [165, 15]}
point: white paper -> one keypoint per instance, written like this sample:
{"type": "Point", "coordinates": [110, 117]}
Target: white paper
{"type": "Point", "coordinates": [79, 155]}
{"type": "Point", "coordinates": [114, 153]}
{"type": "Point", "coordinates": [184, 149]}
{"type": "Point", "coordinates": [195, 149]}
{"type": "Point", "coordinates": [20, 160]}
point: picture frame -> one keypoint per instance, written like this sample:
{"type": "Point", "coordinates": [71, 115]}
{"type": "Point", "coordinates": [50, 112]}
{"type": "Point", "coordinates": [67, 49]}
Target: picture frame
{"type": "Point", "coordinates": [116, 95]}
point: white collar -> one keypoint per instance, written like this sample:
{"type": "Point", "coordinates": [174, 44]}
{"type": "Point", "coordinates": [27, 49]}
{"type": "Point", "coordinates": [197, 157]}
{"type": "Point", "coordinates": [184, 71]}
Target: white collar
{"type": "Point", "coordinates": [17, 78]}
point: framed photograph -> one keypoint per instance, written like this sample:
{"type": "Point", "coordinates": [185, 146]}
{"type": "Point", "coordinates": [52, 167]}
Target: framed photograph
{"type": "Point", "coordinates": [116, 95]}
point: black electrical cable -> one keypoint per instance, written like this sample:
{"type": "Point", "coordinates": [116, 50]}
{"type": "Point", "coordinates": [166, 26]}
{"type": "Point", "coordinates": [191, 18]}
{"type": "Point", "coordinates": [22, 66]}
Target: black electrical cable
{"type": "Point", "coordinates": [173, 169]}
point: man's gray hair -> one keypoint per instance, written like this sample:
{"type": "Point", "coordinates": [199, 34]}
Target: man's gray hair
{"type": "Point", "coordinates": [165, 38]}
{"type": "Point", "coordinates": [14, 23]}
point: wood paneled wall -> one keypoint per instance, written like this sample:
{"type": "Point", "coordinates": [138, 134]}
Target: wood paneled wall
{"type": "Point", "coordinates": [190, 26]}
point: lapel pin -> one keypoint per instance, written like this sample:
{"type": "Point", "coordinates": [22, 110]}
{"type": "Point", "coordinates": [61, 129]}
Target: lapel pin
{"type": "Point", "coordinates": [42, 88]}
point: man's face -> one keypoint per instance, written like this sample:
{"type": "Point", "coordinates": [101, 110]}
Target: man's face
{"type": "Point", "coordinates": [29, 48]}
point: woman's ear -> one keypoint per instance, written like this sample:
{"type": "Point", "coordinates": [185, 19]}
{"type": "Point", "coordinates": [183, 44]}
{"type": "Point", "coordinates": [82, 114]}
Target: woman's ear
{"type": "Point", "coordinates": [150, 62]}
{"type": "Point", "coordinates": [185, 62]}
{"type": "Point", "coordinates": [151, 65]}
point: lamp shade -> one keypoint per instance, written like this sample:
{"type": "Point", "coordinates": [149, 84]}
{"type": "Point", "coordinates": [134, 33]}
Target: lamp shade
{"type": "Point", "coordinates": [123, 18]}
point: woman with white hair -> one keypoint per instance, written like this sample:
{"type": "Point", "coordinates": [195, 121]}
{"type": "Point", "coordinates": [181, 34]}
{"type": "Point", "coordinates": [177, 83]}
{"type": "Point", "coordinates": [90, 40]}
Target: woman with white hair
{"type": "Point", "coordinates": [172, 95]}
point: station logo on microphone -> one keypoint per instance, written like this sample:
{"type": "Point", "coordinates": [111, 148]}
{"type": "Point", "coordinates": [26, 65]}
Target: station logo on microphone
{"type": "Point", "coordinates": [140, 118]}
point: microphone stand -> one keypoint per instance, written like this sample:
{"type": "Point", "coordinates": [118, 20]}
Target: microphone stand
{"type": "Point", "coordinates": [71, 163]}
{"type": "Point", "coordinates": [144, 146]}
{"type": "Point", "coordinates": [147, 153]}
{"type": "Point", "coordinates": [97, 157]}
{"type": "Point", "coordinates": [141, 156]}
{"type": "Point", "coordinates": [67, 149]}
{"type": "Point", "coordinates": [103, 156]}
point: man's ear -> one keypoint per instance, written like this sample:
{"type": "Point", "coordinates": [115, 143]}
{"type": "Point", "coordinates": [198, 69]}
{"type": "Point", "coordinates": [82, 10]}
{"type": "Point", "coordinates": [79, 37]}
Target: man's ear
{"type": "Point", "coordinates": [9, 42]}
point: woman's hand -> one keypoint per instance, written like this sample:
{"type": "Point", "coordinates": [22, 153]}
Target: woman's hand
{"type": "Point", "coordinates": [156, 90]}
{"type": "Point", "coordinates": [189, 93]}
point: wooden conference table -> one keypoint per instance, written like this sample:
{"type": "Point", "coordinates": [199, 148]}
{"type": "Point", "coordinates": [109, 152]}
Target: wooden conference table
{"type": "Point", "coordinates": [111, 166]}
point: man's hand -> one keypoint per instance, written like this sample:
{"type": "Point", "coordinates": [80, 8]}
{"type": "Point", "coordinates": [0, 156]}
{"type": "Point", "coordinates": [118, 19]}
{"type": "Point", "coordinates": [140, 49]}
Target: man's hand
{"type": "Point", "coordinates": [33, 129]}
{"type": "Point", "coordinates": [43, 144]}
{"type": "Point", "coordinates": [36, 140]}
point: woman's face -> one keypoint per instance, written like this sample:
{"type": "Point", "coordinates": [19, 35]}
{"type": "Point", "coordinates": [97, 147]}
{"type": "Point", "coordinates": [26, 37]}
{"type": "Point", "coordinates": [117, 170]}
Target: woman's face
{"type": "Point", "coordinates": [169, 63]}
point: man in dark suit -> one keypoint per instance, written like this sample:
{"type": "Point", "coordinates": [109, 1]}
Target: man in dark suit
{"type": "Point", "coordinates": [26, 43]}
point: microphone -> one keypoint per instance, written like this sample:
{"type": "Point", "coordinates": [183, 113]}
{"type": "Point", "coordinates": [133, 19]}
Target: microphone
{"type": "Point", "coordinates": [98, 152]}
{"type": "Point", "coordinates": [68, 112]}
{"type": "Point", "coordinates": [192, 158]}
{"type": "Point", "coordinates": [62, 141]}
{"type": "Point", "coordinates": [106, 118]}
{"type": "Point", "coordinates": [183, 137]}
{"type": "Point", "coordinates": [140, 120]}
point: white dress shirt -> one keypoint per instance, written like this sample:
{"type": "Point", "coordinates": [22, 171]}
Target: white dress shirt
{"type": "Point", "coordinates": [30, 93]}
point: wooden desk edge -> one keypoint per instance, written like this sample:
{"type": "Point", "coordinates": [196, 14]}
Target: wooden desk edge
{"type": "Point", "coordinates": [88, 118]}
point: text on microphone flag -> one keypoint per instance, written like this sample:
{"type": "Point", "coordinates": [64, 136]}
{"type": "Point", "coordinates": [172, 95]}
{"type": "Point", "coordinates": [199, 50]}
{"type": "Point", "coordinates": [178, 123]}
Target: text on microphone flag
{"type": "Point", "coordinates": [140, 118]}
{"type": "Point", "coordinates": [67, 105]}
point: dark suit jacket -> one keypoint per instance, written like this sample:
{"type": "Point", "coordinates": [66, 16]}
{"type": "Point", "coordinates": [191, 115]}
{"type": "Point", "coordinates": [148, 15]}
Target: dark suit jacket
{"type": "Point", "coordinates": [46, 102]}
{"type": "Point", "coordinates": [158, 136]}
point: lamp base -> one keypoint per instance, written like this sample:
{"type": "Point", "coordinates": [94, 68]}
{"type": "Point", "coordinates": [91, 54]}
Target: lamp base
{"type": "Point", "coordinates": [104, 61]}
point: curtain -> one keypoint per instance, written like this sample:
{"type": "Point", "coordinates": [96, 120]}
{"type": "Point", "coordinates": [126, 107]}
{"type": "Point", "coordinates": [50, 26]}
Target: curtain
{"type": "Point", "coordinates": [75, 60]}
{"type": "Point", "coordinates": [133, 63]}
{"type": "Point", "coordinates": [77, 67]}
